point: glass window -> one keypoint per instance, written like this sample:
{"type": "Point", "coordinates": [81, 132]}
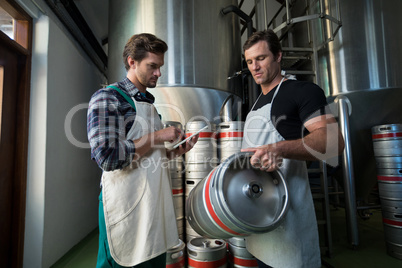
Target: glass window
{"type": "Point", "coordinates": [6, 23]}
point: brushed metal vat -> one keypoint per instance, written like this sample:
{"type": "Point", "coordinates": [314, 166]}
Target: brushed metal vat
{"type": "Point", "coordinates": [363, 63]}
{"type": "Point", "coordinates": [204, 50]}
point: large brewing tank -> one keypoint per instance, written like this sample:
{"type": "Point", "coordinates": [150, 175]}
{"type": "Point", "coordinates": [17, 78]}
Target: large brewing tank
{"type": "Point", "coordinates": [204, 50]}
{"type": "Point", "coordinates": [362, 63]}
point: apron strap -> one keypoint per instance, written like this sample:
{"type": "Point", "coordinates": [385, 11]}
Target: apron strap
{"type": "Point", "coordinates": [130, 100]}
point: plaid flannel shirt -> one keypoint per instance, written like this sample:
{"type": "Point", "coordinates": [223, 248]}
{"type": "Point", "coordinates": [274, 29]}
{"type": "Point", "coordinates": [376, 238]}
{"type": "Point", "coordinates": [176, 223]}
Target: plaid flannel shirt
{"type": "Point", "coordinates": [109, 119]}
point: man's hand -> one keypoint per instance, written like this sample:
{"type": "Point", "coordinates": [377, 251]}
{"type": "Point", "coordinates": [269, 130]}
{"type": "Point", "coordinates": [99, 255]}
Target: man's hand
{"type": "Point", "coordinates": [266, 157]}
{"type": "Point", "coordinates": [183, 148]}
{"type": "Point", "coordinates": [170, 134]}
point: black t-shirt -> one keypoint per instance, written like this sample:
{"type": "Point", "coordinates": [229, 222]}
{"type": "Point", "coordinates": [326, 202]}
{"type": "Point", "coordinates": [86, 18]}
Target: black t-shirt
{"type": "Point", "coordinates": [295, 103]}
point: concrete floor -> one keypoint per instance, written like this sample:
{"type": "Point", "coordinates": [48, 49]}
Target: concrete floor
{"type": "Point", "coordinates": [370, 253]}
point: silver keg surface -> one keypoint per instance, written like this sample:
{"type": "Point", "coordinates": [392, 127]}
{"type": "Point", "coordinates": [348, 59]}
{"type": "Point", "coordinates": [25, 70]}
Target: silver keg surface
{"type": "Point", "coordinates": [237, 248]}
{"type": "Point", "coordinates": [230, 138]}
{"type": "Point", "coordinates": [387, 145]}
{"type": "Point", "coordinates": [255, 198]}
{"type": "Point", "coordinates": [387, 140]}
{"type": "Point", "coordinates": [389, 162]}
{"type": "Point", "coordinates": [175, 255]}
{"type": "Point", "coordinates": [237, 241]}
{"type": "Point", "coordinates": [236, 199]}
{"type": "Point", "coordinates": [205, 249]}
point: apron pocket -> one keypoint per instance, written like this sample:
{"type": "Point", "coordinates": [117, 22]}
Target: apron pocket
{"type": "Point", "coordinates": [122, 191]}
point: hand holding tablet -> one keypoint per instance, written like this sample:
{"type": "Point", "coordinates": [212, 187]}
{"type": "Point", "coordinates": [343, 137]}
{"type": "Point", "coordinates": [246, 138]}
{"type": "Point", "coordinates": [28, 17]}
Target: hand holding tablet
{"type": "Point", "coordinates": [186, 139]}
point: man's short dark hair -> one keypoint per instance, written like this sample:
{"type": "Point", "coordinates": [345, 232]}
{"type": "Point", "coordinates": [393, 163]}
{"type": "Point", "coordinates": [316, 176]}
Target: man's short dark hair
{"type": "Point", "coordinates": [139, 45]}
{"type": "Point", "coordinates": [267, 35]}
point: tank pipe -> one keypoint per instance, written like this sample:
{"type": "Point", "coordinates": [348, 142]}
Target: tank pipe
{"type": "Point", "coordinates": [249, 23]}
{"type": "Point", "coordinates": [241, 14]}
{"type": "Point", "coordinates": [287, 12]}
{"type": "Point", "coordinates": [344, 107]}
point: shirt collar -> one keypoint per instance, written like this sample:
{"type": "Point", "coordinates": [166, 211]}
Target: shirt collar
{"type": "Point", "coordinates": [133, 91]}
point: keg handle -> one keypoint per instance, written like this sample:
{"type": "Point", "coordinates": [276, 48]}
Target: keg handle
{"type": "Point", "coordinates": [253, 189]}
{"type": "Point", "coordinates": [205, 243]}
{"type": "Point", "coordinates": [385, 128]}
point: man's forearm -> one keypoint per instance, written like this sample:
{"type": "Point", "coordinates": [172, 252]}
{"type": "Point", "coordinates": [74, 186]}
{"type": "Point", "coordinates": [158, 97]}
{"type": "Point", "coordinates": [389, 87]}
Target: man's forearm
{"type": "Point", "coordinates": [321, 144]}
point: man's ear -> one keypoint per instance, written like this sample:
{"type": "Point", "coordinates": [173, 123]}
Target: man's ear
{"type": "Point", "coordinates": [131, 62]}
{"type": "Point", "coordinates": [279, 57]}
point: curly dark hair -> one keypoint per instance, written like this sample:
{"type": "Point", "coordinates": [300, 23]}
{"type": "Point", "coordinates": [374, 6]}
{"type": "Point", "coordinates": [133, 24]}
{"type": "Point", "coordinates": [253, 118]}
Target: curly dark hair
{"type": "Point", "coordinates": [268, 36]}
{"type": "Point", "coordinates": [139, 45]}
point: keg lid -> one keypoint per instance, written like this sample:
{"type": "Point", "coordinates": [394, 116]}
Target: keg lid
{"type": "Point", "coordinates": [257, 199]}
{"type": "Point", "coordinates": [206, 244]}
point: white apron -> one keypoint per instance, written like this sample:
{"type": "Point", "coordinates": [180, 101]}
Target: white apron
{"type": "Point", "coordinates": [295, 242]}
{"type": "Point", "coordinates": [137, 200]}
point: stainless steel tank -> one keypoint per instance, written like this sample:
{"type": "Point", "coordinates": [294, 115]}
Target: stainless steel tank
{"type": "Point", "coordinates": [363, 63]}
{"type": "Point", "coordinates": [204, 50]}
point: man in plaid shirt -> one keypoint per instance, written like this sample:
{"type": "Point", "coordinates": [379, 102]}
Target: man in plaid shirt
{"type": "Point", "coordinates": [137, 223]}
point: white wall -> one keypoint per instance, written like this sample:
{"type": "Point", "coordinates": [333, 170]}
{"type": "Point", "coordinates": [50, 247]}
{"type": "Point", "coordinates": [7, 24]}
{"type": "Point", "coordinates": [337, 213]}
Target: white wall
{"type": "Point", "coordinates": [63, 182]}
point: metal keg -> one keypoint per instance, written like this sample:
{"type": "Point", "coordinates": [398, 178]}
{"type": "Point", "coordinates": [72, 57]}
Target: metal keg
{"type": "Point", "coordinates": [204, 252]}
{"type": "Point", "coordinates": [205, 150]}
{"type": "Point", "coordinates": [180, 227]}
{"type": "Point", "coordinates": [389, 162]}
{"type": "Point", "coordinates": [391, 206]}
{"type": "Point", "coordinates": [176, 168]}
{"type": "Point", "coordinates": [392, 220]}
{"type": "Point", "coordinates": [175, 256]}
{"type": "Point", "coordinates": [236, 199]}
{"type": "Point", "coordinates": [239, 256]}
{"type": "Point", "coordinates": [190, 185]}
{"type": "Point", "coordinates": [190, 232]}
{"type": "Point", "coordinates": [387, 140]}
{"type": "Point", "coordinates": [178, 200]}
{"type": "Point", "coordinates": [198, 170]}
{"type": "Point", "coordinates": [178, 195]}
{"type": "Point", "coordinates": [387, 145]}
{"type": "Point", "coordinates": [390, 183]}
{"type": "Point", "coordinates": [230, 137]}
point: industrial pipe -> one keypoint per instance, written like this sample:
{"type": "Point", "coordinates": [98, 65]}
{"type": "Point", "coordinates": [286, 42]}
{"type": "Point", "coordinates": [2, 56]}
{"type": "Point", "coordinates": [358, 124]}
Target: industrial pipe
{"type": "Point", "coordinates": [241, 14]}
{"type": "Point", "coordinates": [344, 107]}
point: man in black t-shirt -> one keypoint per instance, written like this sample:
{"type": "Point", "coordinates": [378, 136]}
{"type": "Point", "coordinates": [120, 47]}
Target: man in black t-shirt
{"type": "Point", "coordinates": [287, 125]}
{"type": "Point", "coordinates": [295, 103]}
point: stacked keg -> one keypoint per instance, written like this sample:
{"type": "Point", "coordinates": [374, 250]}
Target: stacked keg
{"type": "Point", "coordinates": [175, 256]}
{"type": "Point", "coordinates": [204, 252]}
{"type": "Point", "coordinates": [230, 137]}
{"type": "Point", "coordinates": [387, 144]}
{"type": "Point", "coordinates": [200, 160]}
{"type": "Point", "coordinates": [239, 257]}
{"type": "Point", "coordinates": [176, 170]}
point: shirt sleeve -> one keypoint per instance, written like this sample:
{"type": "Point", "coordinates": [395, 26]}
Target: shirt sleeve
{"type": "Point", "coordinates": [106, 132]}
{"type": "Point", "coordinates": [312, 102]}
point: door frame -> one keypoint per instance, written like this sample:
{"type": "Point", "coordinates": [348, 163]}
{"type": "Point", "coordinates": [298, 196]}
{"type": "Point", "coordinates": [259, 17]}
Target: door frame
{"type": "Point", "coordinates": [22, 45]}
